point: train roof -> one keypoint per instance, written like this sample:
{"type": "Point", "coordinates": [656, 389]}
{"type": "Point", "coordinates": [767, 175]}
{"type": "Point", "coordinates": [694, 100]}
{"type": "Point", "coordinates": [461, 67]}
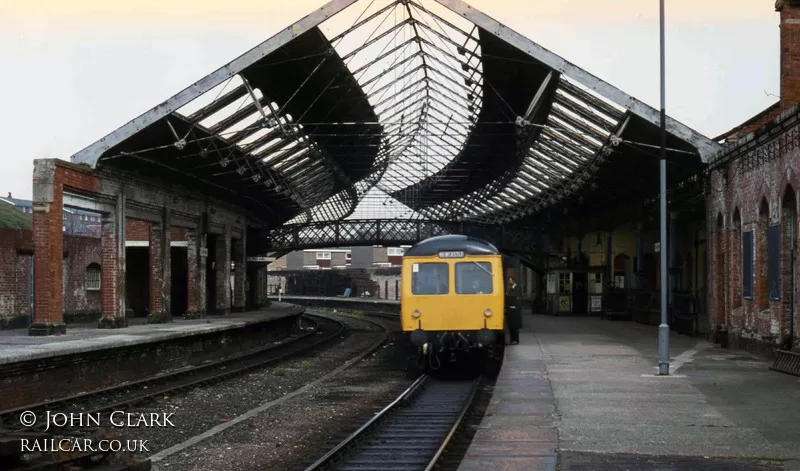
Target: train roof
{"type": "Point", "coordinates": [434, 245]}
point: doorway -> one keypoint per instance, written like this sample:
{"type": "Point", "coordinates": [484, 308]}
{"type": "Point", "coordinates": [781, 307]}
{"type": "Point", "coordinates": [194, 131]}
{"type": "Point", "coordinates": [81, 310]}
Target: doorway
{"type": "Point", "coordinates": [211, 274]}
{"type": "Point", "coordinates": [179, 280]}
{"type": "Point", "coordinates": [137, 280]}
{"type": "Point", "coordinates": [253, 283]}
{"type": "Point", "coordinates": [580, 293]}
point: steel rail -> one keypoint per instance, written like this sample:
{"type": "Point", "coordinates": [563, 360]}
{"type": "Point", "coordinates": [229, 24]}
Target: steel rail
{"type": "Point", "coordinates": [176, 376]}
{"type": "Point", "coordinates": [353, 436]}
{"type": "Point", "coordinates": [98, 458]}
{"type": "Point", "coordinates": [453, 429]}
{"type": "Point", "coordinates": [420, 394]}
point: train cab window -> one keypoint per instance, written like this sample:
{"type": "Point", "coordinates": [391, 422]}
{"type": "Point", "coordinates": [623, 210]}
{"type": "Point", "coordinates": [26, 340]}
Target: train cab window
{"type": "Point", "coordinates": [430, 278]}
{"type": "Point", "coordinates": [473, 278]}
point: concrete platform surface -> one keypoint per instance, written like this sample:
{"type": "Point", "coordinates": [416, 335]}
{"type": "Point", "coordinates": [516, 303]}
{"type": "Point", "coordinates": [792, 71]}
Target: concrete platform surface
{"type": "Point", "coordinates": [16, 345]}
{"type": "Point", "coordinates": [580, 393]}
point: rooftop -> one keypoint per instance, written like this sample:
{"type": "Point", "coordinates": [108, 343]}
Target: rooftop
{"type": "Point", "coordinates": [413, 109]}
{"type": "Point", "coordinates": [12, 218]}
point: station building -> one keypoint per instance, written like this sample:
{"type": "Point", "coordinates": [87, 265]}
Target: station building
{"type": "Point", "coordinates": [169, 246]}
{"type": "Point", "coordinates": [752, 200]}
{"type": "Point", "coordinates": [733, 244]}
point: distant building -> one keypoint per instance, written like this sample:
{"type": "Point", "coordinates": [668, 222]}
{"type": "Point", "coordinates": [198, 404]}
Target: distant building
{"type": "Point", "coordinates": [76, 221]}
{"type": "Point", "coordinates": [339, 258]}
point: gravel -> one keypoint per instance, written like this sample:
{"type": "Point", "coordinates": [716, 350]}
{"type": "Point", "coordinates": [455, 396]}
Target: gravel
{"type": "Point", "coordinates": [295, 432]}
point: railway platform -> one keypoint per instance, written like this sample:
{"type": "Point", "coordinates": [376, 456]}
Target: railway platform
{"type": "Point", "coordinates": [17, 345]}
{"type": "Point", "coordinates": [373, 305]}
{"type": "Point", "coordinates": [581, 393]}
{"type": "Point", "coordinates": [86, 358]}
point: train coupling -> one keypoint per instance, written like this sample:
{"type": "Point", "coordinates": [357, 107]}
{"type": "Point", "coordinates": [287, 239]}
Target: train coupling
{"type": "Point", "coordinates": [419, 337]}
{"type": "Point", "coordinates": [486, 337]}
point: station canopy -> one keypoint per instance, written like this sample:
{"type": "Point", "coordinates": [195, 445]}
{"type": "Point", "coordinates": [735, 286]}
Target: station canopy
{"type": "Point", "coordinates": [412, 109]}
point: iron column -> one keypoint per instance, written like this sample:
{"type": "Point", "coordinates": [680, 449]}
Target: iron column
{"type": "Point", "coordinates": [640, 256]}
{"type": "Point", "coordinates": [609, 267]}
{"type": "Point", "coordinates": [663, 329]}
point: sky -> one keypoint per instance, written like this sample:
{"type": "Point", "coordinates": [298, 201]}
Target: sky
{"type": "Point", "coordinates": [75, 71]}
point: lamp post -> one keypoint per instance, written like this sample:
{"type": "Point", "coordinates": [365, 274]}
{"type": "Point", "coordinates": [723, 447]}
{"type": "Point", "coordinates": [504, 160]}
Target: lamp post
{"type": "Point", "coordinates": [663, 329]}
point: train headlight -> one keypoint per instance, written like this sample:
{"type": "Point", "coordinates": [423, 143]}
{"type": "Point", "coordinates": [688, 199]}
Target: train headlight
{"type": "Point", "coordinates": [416, 313]}
{"type": "Point", "coordinates": [487, 313]}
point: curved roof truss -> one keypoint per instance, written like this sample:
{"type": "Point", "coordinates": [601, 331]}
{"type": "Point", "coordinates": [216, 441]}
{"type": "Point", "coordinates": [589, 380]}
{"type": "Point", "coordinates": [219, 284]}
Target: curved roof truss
{"type": "Point", "coordinates": [429, 104]}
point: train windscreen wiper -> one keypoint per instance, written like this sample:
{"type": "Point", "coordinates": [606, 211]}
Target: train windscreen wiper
{"type": "Point", "coordinates": [479, 266]}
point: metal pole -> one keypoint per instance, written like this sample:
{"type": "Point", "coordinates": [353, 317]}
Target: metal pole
{"type": "Point", "coordinates": [663, 329]}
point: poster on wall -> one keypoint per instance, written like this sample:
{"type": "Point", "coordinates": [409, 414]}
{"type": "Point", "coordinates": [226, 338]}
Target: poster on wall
{"type": "Point", "coordinates": [551, 283]}
{"type": "Point", "coordinates": [598, 282]}
{"type": "Point", "coordinates": [597, 303]}
{"type": "Point", "coordinates": [563, 304]}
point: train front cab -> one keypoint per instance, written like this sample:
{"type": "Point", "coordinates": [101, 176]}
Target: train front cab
{"type": "Point", "coordinates": [452, 301]}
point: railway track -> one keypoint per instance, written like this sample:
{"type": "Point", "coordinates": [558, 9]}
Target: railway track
{"type": "Point", "coordinates": [409, 434]}
{"type": "Point", "coordinates": [124, 396]}
{"type": "Point", "coordinates": [384, 315]}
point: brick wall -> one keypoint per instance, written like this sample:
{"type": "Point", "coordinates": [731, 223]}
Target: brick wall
{"type": "Point", "coordinates": [50, 178]}
{"type": "Point", "coordinates": [15, 289]}
{"type": "Point", "coordinates": [155, 236]}
{"type": "Point", "coordinates": [143, 201]}
{"type": "Point", "coordinates": [178, 234]}
{"type": "Point", "coordinates": [223, 267]}
{"type": "Point", "coordinates": [196, 301]}
{"type": "Point", "coordinates": [755, 189]}
{"type": "Point", "coordinates": [790, 51]}
{"type": "Point", "coordinates": [82, 251]}
{"type": "Point", "coordinates": [396, 260]}
{"type": "Point", "coordinates": [109, 276]}
{"type": "Point", "coordinates": [755, 196]}
{"type": "Point", "coordinates": [136, 229]}
{"type": "Point", "coordinates": [16, 256]}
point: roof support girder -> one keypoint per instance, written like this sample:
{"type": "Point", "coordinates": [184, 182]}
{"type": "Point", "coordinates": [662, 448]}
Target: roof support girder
{"type": "Point", "coordinates": [705, 147]}
{"type": "Point", "coordinates": [91, 154]}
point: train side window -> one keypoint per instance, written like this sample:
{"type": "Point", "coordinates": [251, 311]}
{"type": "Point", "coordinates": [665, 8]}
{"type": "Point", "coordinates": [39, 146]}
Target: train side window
{"type": "Point", "coordinates": [473, 278]}
{"type": "Point", "coordinates": [430, 278]}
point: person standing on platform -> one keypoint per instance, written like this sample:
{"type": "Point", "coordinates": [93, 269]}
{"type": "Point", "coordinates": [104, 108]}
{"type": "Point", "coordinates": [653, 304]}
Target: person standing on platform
{"type": "Point", "coordinates": [513, 310]}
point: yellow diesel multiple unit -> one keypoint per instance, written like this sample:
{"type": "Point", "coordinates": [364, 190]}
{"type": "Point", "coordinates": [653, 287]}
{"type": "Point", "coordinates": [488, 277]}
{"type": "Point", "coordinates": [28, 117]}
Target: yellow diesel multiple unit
{"type": "Point", "coordinates": [453, 293]}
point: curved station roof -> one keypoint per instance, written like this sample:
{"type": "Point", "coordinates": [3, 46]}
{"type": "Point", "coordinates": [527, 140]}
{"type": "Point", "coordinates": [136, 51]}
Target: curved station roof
{"type": "Point", "coordinates": [412, 109]}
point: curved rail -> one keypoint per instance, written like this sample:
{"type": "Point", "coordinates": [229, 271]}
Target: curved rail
{"type": "Point", "coordinates": [440, 405]}
{"type": "Point", "coordinates": [202, 374]}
